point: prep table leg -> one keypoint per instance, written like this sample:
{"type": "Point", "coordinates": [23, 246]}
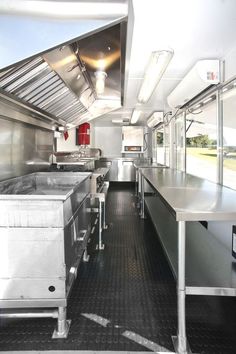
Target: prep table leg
{"type": "Point", "coordinates": [180, 342]}
{"type": "Point", "coordinates": [136, 182]}
{"type": "Point", "coordinates": [63, 325]}
{"type": "Point", "coordinates": [100, 245]}
{"type": "Point", "coordinates": [86, 255]}
{"type": "Point", "coordinates": [142, 197]}
{"type": "Point", "coordinates": [104, 216]}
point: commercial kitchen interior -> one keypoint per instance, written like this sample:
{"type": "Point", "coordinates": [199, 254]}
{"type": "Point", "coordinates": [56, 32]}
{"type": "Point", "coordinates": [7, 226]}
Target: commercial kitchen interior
{"type": "Point", "coordinates": [118, 176]}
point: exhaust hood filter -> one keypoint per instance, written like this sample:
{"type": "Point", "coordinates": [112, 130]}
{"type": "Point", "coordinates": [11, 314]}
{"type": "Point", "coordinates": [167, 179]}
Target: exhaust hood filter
{"type": "Point", "coordinates": [35, 83]}
{"type": "Point", "coordinates": [204, 74]}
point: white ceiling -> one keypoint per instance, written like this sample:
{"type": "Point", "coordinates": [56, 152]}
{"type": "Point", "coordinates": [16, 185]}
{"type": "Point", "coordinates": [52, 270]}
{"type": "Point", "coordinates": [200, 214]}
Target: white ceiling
{"type": "Point", "coordinates": [194, 29]}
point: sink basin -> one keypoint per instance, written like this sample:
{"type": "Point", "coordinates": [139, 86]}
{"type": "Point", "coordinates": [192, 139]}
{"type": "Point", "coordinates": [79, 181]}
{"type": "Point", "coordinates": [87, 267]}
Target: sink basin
{"type": "Point", "coordinates": [54, 185]}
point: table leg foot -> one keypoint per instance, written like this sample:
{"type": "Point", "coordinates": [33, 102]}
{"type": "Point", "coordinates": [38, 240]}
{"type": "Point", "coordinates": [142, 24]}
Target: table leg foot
{"type": "Point", "coordinates": [175, 344]}
{"type": "Point", "coordinates": [100, 247]}
{"type": "Point", "coordinates": [58, 335]}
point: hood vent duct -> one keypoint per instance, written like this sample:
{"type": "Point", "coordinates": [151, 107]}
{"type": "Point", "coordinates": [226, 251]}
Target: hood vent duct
{"type": "Point", "coordinates": [61, 84]}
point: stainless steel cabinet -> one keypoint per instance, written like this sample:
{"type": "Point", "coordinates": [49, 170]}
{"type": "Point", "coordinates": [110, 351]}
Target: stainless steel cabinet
{"type": "Point", "coordinates": [120, 169]}
{"type": "Point", "coordinates": [45, 224]}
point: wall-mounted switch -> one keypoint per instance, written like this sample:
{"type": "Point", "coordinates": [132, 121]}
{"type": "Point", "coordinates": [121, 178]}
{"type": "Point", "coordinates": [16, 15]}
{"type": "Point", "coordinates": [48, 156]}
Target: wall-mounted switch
{"type": "Point", "coordinates": [234, 241]}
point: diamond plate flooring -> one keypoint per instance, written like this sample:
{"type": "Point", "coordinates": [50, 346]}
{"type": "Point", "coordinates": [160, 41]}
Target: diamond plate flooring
{"type": "Point", "coordinates": [124, 299]}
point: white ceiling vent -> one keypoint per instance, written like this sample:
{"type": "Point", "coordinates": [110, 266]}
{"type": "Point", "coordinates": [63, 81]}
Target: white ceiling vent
{"type": "Point", "coordinates": [155, 120]}
{"type": "Point", "coordinates": [204, 74]}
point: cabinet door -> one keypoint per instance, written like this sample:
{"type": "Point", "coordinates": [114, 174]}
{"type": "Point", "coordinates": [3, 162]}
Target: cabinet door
{"type": "Point", "coordinates": [126, 171]}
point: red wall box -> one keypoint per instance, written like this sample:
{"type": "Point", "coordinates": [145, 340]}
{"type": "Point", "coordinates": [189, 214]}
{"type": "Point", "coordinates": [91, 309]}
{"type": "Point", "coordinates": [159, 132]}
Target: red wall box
{"type": "Point", "coordinates": [83, 134]}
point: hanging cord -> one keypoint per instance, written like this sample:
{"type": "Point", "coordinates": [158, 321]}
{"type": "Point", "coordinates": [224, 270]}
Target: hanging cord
{"type": "Point", "coordinates": [191, 111]}
{"type": "Point", "coordinates": [146, 144]}
{"type": "Point", "coordinates": [169, 113]}
{"type": "Point", "coordinates": [191, 122]}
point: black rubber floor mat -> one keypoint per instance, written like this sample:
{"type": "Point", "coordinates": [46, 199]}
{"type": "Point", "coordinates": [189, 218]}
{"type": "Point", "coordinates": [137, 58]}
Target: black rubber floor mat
{"type": "Point", "coordinates": [125, 298]}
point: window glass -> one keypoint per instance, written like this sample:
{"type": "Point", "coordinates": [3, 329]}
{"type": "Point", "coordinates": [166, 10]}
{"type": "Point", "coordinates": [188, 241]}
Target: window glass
{"type": "Point", "coordinates": [201, 140]}
{"type": "Point", "coordinates": [229, 136]}
{"type": "Point", "coordinates": [160, 146]}
{"type": "Point", "coordinates": [167, 144]}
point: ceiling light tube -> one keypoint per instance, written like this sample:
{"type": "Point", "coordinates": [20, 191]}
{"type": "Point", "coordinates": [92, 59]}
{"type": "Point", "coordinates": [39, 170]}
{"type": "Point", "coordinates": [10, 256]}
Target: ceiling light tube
{"type": "Point", "coordinates": [135, 116]}
{"type": "Point", "coordinates": [208, 100]}
{"type": "Point", "coordinates": [157, 65]}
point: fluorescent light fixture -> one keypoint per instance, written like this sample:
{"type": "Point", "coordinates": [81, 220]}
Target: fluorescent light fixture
{"type": "Point", "coordinates": [157, 65]}
{"type": "Point", "coordinates": [135, 116]}
{"type": "Point", "coordinates": [124, 121]}
{"type": "Point", "coordinates": [117, 121]}
{"type": "Point", "coordinates": [100, 81]}
{"type": "Point", "coordinates": [208, 100]}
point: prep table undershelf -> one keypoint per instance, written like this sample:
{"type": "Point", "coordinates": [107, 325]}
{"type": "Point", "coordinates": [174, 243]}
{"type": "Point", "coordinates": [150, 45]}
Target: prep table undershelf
{"type": "Point", "coordinates": [210, 267]}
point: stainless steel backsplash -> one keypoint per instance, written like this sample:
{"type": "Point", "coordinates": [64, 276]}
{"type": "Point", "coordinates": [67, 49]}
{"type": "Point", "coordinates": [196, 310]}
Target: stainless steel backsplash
{"type": "Point", "coordinates": [23, 149]}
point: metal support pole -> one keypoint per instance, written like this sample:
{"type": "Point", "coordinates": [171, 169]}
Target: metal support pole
{"type": "Point", "coordinates": [104, 215]}
{"type": "Point", "coordinates": [136, 182]}
{"type": "Point", "coordinates": [180, 342]}
{"type": "Point", "coordinates": [100, 245]}
{"type": "Point", "coordinates": [185, 144]}
{"type": "Point", "coordinates": [142, 198]}
{"type": "Point", "coordinates": [86, 256]}
{"type": "Point", "coordinates": [63, 325]}
{"type": "Point", "coordinates": [139, 186]}
{"type": "Point", "coordinates": [220, 143]}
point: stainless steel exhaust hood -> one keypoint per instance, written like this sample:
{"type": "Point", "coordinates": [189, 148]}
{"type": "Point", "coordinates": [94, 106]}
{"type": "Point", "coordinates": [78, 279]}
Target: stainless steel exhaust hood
{"type": "Point", "coordinates": [76, 81]}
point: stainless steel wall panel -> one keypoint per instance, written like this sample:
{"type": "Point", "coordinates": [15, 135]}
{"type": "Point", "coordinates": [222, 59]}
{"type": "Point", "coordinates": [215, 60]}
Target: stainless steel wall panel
{"type": "Point", "coordinates": [31, 288]}
{"type": "Point", "coordinates": [31, 213]}
{"type": "Point", "coordinates": [71, 204]}
{"type": "Point", "coordinates": [43, 199]}
{"type": "Point", "coordinates": [76, 236]}
{"type": "Point", "coordinates": [21, 247]}
{"type": "Point", "coordinates": [23, 148]}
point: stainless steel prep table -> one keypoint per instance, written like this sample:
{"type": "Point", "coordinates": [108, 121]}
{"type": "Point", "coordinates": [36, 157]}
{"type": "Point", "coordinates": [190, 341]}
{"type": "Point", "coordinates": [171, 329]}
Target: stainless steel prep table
{"type": "Point", "coordinates": [139, 164]}
{"type": "Point", "coordinates": [189, 199]}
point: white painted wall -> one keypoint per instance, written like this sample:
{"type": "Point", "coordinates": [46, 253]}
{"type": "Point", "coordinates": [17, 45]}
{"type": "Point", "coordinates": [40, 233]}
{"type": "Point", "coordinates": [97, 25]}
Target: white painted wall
{"type": "Point", "coordinates": [109, 140]}
{"type": "Point", "coordinates": [69, 144]}
{"type": "Point", "coordinates": [230, 64]}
